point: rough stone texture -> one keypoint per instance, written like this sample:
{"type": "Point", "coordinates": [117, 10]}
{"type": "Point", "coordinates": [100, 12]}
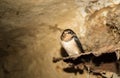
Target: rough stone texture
{"type": "Point", "coordinates": [30, 34]}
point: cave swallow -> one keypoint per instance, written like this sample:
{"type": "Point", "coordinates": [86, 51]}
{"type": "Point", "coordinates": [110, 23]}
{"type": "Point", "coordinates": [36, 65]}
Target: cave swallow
{"type": "Point", "coordinates": [71, 43]}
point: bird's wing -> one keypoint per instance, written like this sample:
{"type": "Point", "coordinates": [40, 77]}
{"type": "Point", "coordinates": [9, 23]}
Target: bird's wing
{"type": "Point", "coordinates": [78, 44]}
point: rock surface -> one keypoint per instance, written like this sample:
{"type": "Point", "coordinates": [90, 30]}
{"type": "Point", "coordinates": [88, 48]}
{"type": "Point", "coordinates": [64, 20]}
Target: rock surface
{"type": "Point", "coordinates": [30, 33]}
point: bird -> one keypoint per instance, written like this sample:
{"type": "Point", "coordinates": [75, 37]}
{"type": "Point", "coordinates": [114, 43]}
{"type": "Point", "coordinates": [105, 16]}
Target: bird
{"type": "Point", "coordinates": [71, 43]}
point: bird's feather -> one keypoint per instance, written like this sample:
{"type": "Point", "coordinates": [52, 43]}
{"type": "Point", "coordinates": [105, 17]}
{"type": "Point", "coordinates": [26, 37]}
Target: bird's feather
{"type": "Point", "coordinates": [78, 44]}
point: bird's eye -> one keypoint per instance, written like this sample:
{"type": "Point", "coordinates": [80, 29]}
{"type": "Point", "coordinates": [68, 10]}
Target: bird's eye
{"type": "Point", "coordinates": [69, 32]}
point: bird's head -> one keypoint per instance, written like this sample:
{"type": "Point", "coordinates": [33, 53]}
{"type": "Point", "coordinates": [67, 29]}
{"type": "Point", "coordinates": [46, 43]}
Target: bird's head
{"type": "Point", "coordinates": [67, 35]}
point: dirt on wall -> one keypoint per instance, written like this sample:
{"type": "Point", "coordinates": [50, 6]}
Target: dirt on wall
{"type": "Point", "coordinates": [30, 34]}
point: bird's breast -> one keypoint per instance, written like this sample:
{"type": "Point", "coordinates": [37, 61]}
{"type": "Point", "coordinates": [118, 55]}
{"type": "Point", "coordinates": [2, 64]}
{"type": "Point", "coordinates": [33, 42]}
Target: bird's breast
{"type": "Point", "coordinates": [71, 47]}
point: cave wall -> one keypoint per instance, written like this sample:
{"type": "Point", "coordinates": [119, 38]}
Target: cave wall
{"type": "Point", "coordinates": [30, 34]}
